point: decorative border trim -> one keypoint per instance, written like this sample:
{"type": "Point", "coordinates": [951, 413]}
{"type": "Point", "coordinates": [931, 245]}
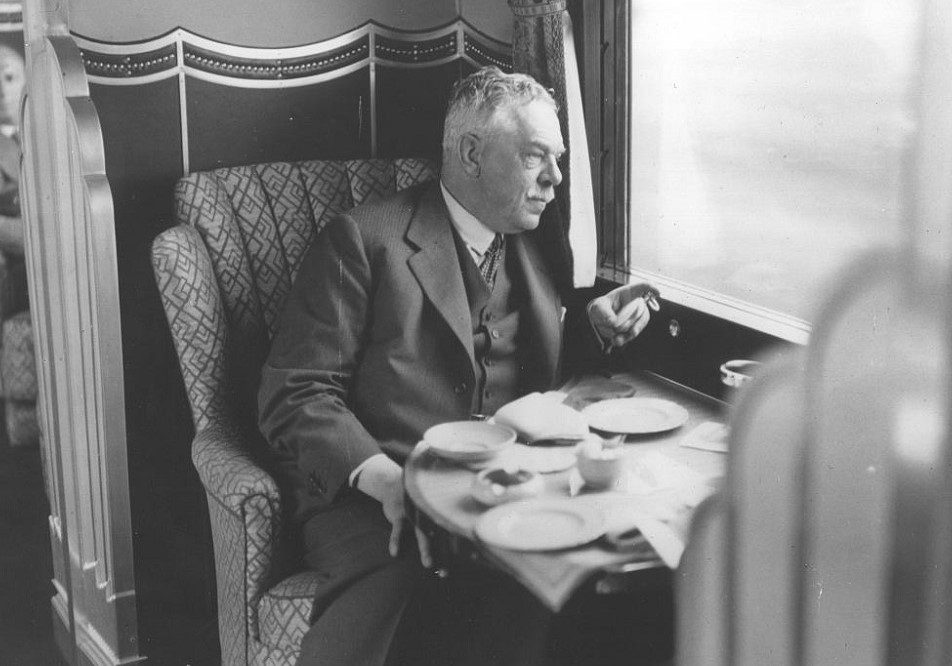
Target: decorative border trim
{"type": "Point", "coordinates": [181, 52]}
{"type": "Point", "coordinates": [423, 51]}
{"type": "Point", "coordinates": [183, 55]}
{"type": "Point", "coordinates": [113, 65]}
{"type": "Point", "coordinates": [209, 61]}
{"type": "Point", "coordinates": [481, 54]}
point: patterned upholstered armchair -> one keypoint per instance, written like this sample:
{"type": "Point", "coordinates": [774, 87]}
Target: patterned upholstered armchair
{"type": "Point", "coordinates": [18, 384]}
{"type": "Point", "coordinates": [224, 272]}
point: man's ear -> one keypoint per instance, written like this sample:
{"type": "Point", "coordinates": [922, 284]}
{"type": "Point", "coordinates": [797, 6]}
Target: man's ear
{"type": "Point", "coordinates": [470, 154]}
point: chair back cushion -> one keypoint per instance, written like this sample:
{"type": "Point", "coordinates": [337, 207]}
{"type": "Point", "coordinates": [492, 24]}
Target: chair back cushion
{"type": "Point", "coordinates": [252, 225]}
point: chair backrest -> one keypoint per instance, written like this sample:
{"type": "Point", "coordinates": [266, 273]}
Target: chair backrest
{"type": "Point", "coordinates": [831, 541]}
{"type": "Point", "coordinates": [225, 271]}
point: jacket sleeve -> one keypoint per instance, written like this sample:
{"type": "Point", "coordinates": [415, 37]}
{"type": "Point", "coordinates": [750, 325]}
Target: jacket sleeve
{"type": "Point", "coordinates": [582, 351]}
{"type": "Point", "coordinates": [302, 401]}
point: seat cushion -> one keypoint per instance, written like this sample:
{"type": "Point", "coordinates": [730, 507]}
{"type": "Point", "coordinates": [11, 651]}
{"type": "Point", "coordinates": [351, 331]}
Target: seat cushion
{"type": "Point", "coordinates": [17, 363]}
{"type": "Point", "coordinates": [284, 612]}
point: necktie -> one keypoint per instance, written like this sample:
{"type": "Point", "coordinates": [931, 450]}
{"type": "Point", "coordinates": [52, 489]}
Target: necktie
{"type": "Point", "coordinates": [489, 264]}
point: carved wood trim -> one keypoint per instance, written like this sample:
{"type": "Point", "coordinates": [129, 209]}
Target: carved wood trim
{"type": "Point", "coordinates": [73, 279]}
{"type": "Point", "coordinates": [109, 63]}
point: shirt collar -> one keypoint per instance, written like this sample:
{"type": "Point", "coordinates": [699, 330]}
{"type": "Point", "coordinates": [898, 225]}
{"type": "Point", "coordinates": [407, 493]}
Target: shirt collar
{"type": "Point", "coordinates": [474, 233]}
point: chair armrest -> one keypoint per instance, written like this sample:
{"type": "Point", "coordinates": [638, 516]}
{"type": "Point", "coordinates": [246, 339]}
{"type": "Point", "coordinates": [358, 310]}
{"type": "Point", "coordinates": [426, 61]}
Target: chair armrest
{"type": "Point", "coordinates": [245, 510]}
{"type": "Point", "coordinates": [228, 472]}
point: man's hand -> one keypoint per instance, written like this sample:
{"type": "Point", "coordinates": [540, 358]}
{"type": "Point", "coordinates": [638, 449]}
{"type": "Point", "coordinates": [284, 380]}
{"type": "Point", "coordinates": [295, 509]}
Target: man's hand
{"type": "Point", "coordinates": [621, 314]}
{"type": "Point", "coordinates": [382, 479]}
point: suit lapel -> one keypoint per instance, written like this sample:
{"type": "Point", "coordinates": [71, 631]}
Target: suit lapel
{"type": "Point", "coordinates": [543, 329]}
{"type": "Point", "coordinates": [436, 267]}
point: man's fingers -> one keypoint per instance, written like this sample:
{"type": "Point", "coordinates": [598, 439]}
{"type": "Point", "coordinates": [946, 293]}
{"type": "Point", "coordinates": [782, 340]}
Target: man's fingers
{"type": "Point", "coordinates": [643, 318]}
{"type": "Point", "coordinates": [627, 313]}
{"type": "Point", "coordinates": [626, 334]}
{"type": "Point", "coordinates": [423, 545]}
{"type": "Point", "coordinates": [395, 533]}
{"type": "Point", "coordinates": [634, 312]}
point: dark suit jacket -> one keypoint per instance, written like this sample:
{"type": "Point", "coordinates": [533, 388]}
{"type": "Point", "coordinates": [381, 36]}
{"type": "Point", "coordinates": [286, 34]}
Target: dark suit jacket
{"type": "Point", "coordinates": [376, 343]}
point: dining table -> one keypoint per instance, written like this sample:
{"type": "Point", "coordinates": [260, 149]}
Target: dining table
{"type": "Point", "coordinates": [668, 473]}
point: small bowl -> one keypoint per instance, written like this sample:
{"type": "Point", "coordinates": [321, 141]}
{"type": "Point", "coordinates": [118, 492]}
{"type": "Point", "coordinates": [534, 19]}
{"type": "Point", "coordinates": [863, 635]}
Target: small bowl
{"type": "Point", "coordinates": [496, 485]}
{"type": "Point", "coordinates": [736, 373]}
{"type": "Point", "coordinates": [600, 465]}
{"type": "Point", "coordinates": [469, 441]}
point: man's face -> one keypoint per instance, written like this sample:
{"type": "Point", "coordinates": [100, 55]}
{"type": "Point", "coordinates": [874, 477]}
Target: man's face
{"type": "Point", "coordinates": [518, 169]}
{"type": "Point", "coordinates": [11, 87]}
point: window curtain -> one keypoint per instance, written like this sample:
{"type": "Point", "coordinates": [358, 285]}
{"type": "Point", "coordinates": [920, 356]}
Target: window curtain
{"type": "Point", "coordinates": [543, 47]}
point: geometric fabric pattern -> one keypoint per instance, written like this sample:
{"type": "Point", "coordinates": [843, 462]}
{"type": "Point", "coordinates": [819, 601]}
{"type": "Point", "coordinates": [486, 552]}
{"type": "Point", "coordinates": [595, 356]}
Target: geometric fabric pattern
{"type": "Point", "coordinates": [284, 611]}
{"type": "Point", "coordinates": [223, 273]}
{"type": "Point", "coordinates": [18, 383]}
{"type": "Point", "coordinates": [17, 362]}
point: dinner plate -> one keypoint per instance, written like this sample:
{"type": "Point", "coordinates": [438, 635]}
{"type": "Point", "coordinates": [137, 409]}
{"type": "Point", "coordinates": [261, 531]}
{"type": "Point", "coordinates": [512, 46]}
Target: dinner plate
{"type": "Point", "coordinates": [541, 524]}
{"type": "Point", "coordinates": [635, 416]}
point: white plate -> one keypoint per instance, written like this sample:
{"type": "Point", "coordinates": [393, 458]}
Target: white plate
{"type": "Point", "coordinates": [541, 524]}
{"type": "Point", "coordinates": [635, 416]}
{"type": "Point", "coordinates": [468, 441]}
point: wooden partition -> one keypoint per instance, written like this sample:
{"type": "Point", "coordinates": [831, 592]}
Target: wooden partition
{"type": "Point", "coordinates": [71, 260]}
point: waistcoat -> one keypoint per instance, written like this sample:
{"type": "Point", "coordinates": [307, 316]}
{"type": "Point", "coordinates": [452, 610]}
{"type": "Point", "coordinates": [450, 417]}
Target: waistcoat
{"type": "Point", "coordinates": [495, 320]}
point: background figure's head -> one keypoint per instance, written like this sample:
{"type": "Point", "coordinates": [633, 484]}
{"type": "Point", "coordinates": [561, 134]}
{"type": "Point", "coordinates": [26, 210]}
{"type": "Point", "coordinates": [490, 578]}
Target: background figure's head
{"type": "Point", "coordinates": [11, 85]}
{"type": "Point", "coordinates": [501, 146]}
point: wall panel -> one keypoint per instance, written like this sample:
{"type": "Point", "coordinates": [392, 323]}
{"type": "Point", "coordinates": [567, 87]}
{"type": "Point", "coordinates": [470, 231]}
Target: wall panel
{"type": "Point", "coordinates": [229, 126]}
{"type": "Point", "coordinates": [404, 95]}
{"type": "Point", "coordinates": [252, 22]}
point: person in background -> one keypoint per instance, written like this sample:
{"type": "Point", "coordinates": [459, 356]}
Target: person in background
{"type": "Point", "coordinates": [428, 306]}
{"type": "Point", "coordinates": [11, 94]}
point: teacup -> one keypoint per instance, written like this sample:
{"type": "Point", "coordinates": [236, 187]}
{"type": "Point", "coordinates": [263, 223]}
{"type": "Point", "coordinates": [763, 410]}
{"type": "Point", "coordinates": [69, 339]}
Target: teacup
{"type": "Point", "coordinates": [737, 372]}
{"type": "Point", "coordinates": [600, 464]}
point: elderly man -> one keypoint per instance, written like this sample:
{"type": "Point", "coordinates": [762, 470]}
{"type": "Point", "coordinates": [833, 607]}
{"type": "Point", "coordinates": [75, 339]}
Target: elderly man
{"type": "Point", "coordinates": [429, 306]}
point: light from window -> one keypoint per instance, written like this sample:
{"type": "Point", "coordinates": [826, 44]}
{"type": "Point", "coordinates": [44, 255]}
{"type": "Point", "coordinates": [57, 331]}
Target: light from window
{"type": "Point", "coordinates": [767, 141]}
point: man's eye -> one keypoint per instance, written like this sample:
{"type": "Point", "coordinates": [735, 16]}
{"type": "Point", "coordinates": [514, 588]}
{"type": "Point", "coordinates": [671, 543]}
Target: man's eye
{"type": "Point", "coordinates": [533, 159]}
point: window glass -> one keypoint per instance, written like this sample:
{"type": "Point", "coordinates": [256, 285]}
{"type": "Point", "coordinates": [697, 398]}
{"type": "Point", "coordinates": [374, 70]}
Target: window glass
{"type": "Point", "coordinates": [767, 141]}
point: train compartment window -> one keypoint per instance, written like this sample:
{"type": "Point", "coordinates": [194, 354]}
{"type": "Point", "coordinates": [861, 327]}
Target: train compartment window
{"type": "Point", "coordinates": [766, 141]}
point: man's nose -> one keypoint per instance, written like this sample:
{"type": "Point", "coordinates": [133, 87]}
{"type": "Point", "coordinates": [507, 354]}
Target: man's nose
{"type": "Point", "coordinates": [551, 175]}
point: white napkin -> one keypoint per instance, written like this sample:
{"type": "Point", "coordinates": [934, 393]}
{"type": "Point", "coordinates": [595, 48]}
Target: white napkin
{"type": "Point", "coordinates": [708, 436]}
{"type": "Point", "coordinates": [664, 538]}
{"type": "Point", "coordinates": [542, 415]}
{"type": "Point", "coordinates": [535, 459]}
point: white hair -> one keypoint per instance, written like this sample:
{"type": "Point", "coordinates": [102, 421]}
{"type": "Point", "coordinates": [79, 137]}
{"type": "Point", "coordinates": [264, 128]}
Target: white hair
{"type": "Point", "coordinates": [476, 98]}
